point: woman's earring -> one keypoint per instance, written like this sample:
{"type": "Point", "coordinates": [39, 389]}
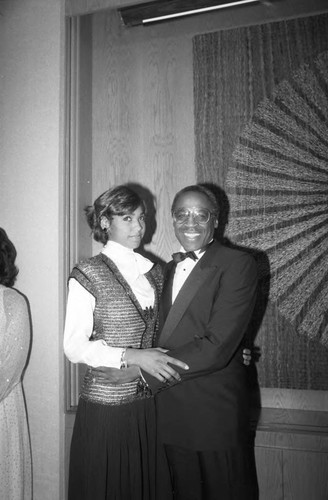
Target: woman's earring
{"type": "Point", "coordinates": [104, 224]}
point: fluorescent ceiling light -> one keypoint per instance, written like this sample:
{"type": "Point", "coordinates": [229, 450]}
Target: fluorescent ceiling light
{"type": "Point", "coordinates": [165, 10]}
{"type": "Point", "coordinates": [197, 11]}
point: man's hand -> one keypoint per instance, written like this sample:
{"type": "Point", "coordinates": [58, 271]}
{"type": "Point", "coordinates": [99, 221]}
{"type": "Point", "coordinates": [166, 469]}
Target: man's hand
{"type": "Point", "coordinates": [107, 375]}
{"type": "Point", "coordinates": [247, 356]}
{"type": "Point", "coordinates": [155, 362]}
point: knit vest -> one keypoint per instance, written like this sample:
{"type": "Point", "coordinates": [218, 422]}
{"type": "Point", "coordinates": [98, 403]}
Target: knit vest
{"type": "Point", "coordinates": [118, 319]}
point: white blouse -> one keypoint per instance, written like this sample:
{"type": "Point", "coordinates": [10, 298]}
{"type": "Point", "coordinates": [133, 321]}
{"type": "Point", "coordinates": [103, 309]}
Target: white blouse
{"type": "Point", "coordinates": [80, 306]}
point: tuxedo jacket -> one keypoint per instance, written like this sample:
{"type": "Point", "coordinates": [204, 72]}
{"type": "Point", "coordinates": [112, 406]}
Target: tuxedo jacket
{"type": "Point", "coordinates": [208, 409]}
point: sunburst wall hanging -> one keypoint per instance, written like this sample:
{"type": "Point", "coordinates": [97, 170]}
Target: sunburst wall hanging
{"type": "Point", "coordinates": [278, 193]}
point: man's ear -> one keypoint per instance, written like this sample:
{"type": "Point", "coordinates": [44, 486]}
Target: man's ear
{"type": "Point", "coordinates": [216, 223]}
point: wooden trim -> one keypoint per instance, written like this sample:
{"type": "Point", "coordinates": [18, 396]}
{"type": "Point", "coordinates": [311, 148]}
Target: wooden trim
{"type": "Point", "coordinates": [79, 172]}
{"type": "Point", "coordinates": [286, 420]}
{"type": "Point", "coordinates": [80, 7]}
{"type": "Point", "coordinates": [72, 72]}
{"type": "Point", "coordinates": [291, 440]}
{"type": "Point", "coordinates": [294, 399]}
{"type": "Point", "coordinates": [292, 411]}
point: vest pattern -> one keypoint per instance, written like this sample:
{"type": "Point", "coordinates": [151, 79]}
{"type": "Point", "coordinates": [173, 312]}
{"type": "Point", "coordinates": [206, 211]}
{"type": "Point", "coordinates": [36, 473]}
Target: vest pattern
{"type": "Point", "coordinates": [119, 320]}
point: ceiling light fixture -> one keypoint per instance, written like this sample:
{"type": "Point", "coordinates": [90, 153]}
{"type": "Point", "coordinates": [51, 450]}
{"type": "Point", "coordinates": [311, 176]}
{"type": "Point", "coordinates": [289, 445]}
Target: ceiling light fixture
{"type": "Point", "coordinates": [197, 11]}
{"type": "Point", "coordinates": [163, 10]}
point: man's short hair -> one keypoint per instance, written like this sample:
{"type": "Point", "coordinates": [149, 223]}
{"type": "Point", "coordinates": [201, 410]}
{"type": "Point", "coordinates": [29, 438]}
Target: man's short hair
{"type": "Point", "coordinates": [198, 188]}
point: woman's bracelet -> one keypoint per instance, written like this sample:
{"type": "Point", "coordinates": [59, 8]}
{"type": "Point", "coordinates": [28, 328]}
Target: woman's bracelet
{"type": "Point", "coordinates": [123, 362]}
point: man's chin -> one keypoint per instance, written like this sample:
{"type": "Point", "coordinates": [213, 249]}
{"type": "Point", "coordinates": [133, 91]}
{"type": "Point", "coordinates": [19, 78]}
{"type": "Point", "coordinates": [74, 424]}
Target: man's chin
{"type": "Point", "coordinates": [191, 246]}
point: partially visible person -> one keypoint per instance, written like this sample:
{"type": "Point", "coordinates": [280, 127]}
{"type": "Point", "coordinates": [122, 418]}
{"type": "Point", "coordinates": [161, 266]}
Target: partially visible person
{"type": "Point", "coordinates": [15, 451]}
{"type": "Point", "coordinates": [111, 320]}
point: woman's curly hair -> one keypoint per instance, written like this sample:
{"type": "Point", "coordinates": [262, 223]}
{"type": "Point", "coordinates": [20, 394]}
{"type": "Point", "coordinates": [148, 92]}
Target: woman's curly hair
{"type": "Point", "coordinates": [8, 269]}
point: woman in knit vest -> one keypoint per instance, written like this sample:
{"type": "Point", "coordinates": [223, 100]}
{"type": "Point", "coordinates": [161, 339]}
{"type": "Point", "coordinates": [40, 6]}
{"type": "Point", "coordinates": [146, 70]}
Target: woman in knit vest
{"type": "Point", "coordinates": [111, 320]}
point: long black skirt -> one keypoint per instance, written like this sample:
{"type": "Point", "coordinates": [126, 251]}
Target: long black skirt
{"type": "Point", "coordinates": [113, 452]}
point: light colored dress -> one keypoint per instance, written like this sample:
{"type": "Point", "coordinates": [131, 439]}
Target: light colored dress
{"type": "Point", "coordinates": [15, 451]}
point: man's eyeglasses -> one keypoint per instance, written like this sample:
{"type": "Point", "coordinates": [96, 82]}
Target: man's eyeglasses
{"type": "Point", "coordinates": [200, 215]}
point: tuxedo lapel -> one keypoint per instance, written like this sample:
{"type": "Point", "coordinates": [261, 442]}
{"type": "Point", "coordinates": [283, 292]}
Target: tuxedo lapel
{"type": "Point", "coordinates": [195, 280]}
{"type": "Point", "coordinates": [189, 289]}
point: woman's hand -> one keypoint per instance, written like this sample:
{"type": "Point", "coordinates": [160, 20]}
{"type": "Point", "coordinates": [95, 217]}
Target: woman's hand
{"type": "Point", "coordinates": [155, 362]}
{"type": "Point", "coordinates": [107, 375]}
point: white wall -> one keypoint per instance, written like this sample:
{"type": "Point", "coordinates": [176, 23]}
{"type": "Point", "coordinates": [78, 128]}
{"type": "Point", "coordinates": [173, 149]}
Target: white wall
{"type": "Point", "coordinates": [31, 96]}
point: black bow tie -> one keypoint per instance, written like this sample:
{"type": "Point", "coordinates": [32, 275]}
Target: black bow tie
{"type": "Point", "coordinates": [180, 256]}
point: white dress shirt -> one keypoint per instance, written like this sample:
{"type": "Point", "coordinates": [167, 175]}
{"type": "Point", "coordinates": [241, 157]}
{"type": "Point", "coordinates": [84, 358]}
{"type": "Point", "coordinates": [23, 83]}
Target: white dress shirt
{"type": "Point", "coordinates": [182, 272]}
{"type": "Point", "coordinates": [80, 306]}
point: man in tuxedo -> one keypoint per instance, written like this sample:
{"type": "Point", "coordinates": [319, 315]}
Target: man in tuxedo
{"type": "Point", "coordinates": [208, 298]}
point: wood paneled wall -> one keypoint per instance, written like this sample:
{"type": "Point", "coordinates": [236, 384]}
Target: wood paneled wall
{"type": "Point", "coordinates": [143, 130]}
{"type": "Point", "coordinates": [291, 464]}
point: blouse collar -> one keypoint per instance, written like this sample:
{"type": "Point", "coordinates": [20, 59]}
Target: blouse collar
{"type": "Point", "coordinates": [131, 264]}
